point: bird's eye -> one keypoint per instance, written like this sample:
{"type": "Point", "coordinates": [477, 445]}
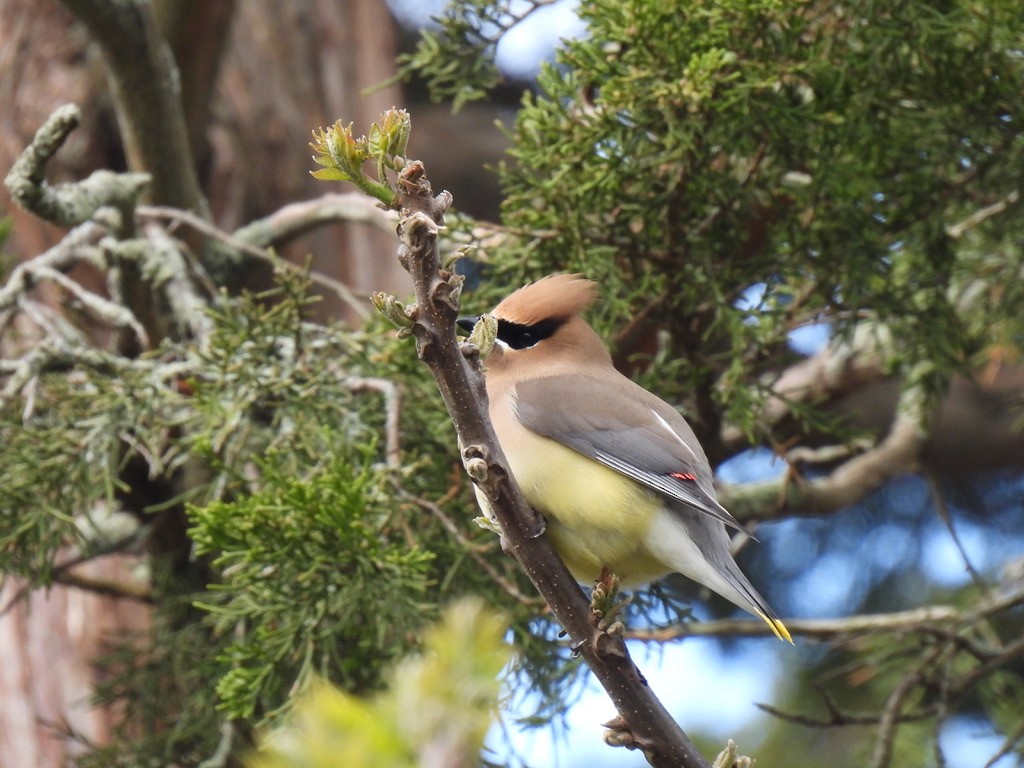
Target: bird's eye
{"type": "Point", "coordinates": [519, 336]}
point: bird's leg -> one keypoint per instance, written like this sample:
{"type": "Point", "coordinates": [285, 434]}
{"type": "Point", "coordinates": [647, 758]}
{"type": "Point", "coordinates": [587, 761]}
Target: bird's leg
{"type": "Point", "coordinates": [619, 735]}
{"type": "Point", "coordinates": [605, 605]}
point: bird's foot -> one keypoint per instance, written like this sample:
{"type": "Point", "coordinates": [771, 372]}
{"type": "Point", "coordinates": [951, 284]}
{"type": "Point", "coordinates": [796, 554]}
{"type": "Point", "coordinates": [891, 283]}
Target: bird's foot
{"type": "Point", "coordinates": [618, 734]}
{"type": "Point", "coordinates": [605, 604]}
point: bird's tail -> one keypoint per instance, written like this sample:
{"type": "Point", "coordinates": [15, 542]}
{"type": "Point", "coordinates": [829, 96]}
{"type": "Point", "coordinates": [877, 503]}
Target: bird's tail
{"type": "Point", "coordinates": [777, 627]}
{"type": "Point", "coordinates": [754, 602]}
{"type": "Point", "coordinates": [697, 546]}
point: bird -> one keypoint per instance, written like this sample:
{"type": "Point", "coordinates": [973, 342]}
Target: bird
{"type": "Point", "coordinates": [617, 472]}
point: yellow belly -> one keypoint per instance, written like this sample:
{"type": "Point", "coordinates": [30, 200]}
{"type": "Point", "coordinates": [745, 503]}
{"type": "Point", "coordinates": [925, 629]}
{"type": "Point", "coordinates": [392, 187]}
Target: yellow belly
{"type": "Point", "coordinates": [596, 516]}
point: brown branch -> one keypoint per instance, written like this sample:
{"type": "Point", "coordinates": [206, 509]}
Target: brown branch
{"type": "Point", "coordinates": [106, 587]}
{"type": "Point", "coordinates": [1008, 746]}
{"type": "Point", "coordinates": [61, 574]}
{"type": "Point", "coordinates": [1009, 653]}
{"type": "Point", "coordinates": [838, 718]}
{"type": "Point", "coordinates": [645, 723]}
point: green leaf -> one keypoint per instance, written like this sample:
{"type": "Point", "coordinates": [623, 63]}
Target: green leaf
{"type": "Point", "coordinates": [331, 174]}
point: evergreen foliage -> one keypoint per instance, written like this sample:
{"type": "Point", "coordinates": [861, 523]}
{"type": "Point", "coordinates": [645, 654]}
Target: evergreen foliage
{"type": "Point", "coordinates": [311, 556]}
{"type": "Point", "coordinates": [686, 153]}
{"type": "Point", "coordinates": [693, 151]}
{"type": "Point", "coordinates": [318, 539]}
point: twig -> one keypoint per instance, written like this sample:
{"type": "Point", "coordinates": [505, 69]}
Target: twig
{"type": "Point", "coordinates": [1011, 652]}
{"type": "Point", "coordinates": [956, 231]}
{"type": "Point", "coordinates": [54, 353]}
{"type": "Point", "coordinates": [200, 224]}
{"type": "Point", "coordinates": [839, 719]}
{"type": "Point", "coordinates": [892, 711]}
{"type": "Point", "coordinates": [78, 245]}
{"type": "Point", "coordinates": [61, 574]}
{"type": "Point", "coordinates": [102, 309]}
{"type": "Point", "coordinates": [942, 510]}
{"type": "Point", "coordinates": [473, 550]}
{"type": "Point", "coordinates": [826, 454]}
{"type": "Point", "coordinates": [392, 414]}
{"type": "Point", "coordinates": [52, 322]}
{"type": "Point", "coordinates": [932, 619]}
{"type": "Point", "coordinates": [296, 219]}
{"type": "Point", "coordinates": [1012, 740]}
{"type": "Point", "coordinates": [819, 629]}
{"type": "Point", "coordinates": [241, 245]}
{"type": "Point", "coordinates": [220, 756]}
{"type": "Point", "coordinates": [106, 587]}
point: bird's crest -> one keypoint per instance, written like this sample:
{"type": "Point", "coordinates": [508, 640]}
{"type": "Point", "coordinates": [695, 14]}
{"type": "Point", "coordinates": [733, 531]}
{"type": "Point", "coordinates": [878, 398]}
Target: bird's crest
{"type": "Point", "coordinates": [552, 297]}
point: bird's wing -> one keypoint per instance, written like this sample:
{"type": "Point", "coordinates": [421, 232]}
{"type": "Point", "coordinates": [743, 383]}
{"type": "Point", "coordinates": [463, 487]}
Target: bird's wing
{"type": "Point", "coordinates": [618, 423]}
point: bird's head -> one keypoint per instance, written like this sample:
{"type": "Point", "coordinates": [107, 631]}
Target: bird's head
{"type": "Point", "coordinates": [540, 330]}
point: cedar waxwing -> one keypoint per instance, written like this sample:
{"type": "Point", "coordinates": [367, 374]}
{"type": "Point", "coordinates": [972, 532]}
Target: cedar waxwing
{"type": "Point", "coordinates": [616, 471]}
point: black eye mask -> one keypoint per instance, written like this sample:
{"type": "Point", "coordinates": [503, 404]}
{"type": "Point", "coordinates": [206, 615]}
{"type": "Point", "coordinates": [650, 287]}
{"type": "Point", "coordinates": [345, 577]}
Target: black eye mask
{"type": "Point", "coordinates": [525, 336]}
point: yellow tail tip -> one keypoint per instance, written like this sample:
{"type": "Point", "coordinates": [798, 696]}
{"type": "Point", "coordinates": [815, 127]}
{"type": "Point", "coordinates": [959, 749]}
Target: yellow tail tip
{"type": "Point", "coordinates": [778, 628]}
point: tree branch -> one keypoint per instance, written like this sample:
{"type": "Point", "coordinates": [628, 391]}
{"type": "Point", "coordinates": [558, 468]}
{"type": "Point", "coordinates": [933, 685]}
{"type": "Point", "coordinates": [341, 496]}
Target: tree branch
{"type": "Point", "coordinates": [819, 629]}
{"type": "Point", "coordinates": [62, 574]}
{"type": "Point", "coordinates": [144, 82]}
{"type": "Point", "coordinates": [244, 247]}
{"type": "Point", "coordinates": [958, 230]}
{"type": "Point", "coordinates": [80, 244]}
{"type": "Point", "coordinates": [792, 495]}
{"type": "Point", "coordinates": [917, 619]}
{"type": "Point", "coordinates": [842, 366]}
{"type": "Point", "coordinates": [645, 723]}
{"type": "Point", "coordinates": [68, 205]}
{"type": "Point", "coordinates": [892, 712]}
{"type": "Point", "coordinates": [296, 219]}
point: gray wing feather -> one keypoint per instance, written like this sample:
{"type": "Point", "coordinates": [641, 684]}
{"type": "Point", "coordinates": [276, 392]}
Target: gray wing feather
{"type": "Point", "coordinates": [622, 435]}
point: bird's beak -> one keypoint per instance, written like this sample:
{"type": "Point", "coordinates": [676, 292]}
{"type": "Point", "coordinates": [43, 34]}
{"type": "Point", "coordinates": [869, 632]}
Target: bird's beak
{"type": "Point", "coordinates": [467, 323]}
